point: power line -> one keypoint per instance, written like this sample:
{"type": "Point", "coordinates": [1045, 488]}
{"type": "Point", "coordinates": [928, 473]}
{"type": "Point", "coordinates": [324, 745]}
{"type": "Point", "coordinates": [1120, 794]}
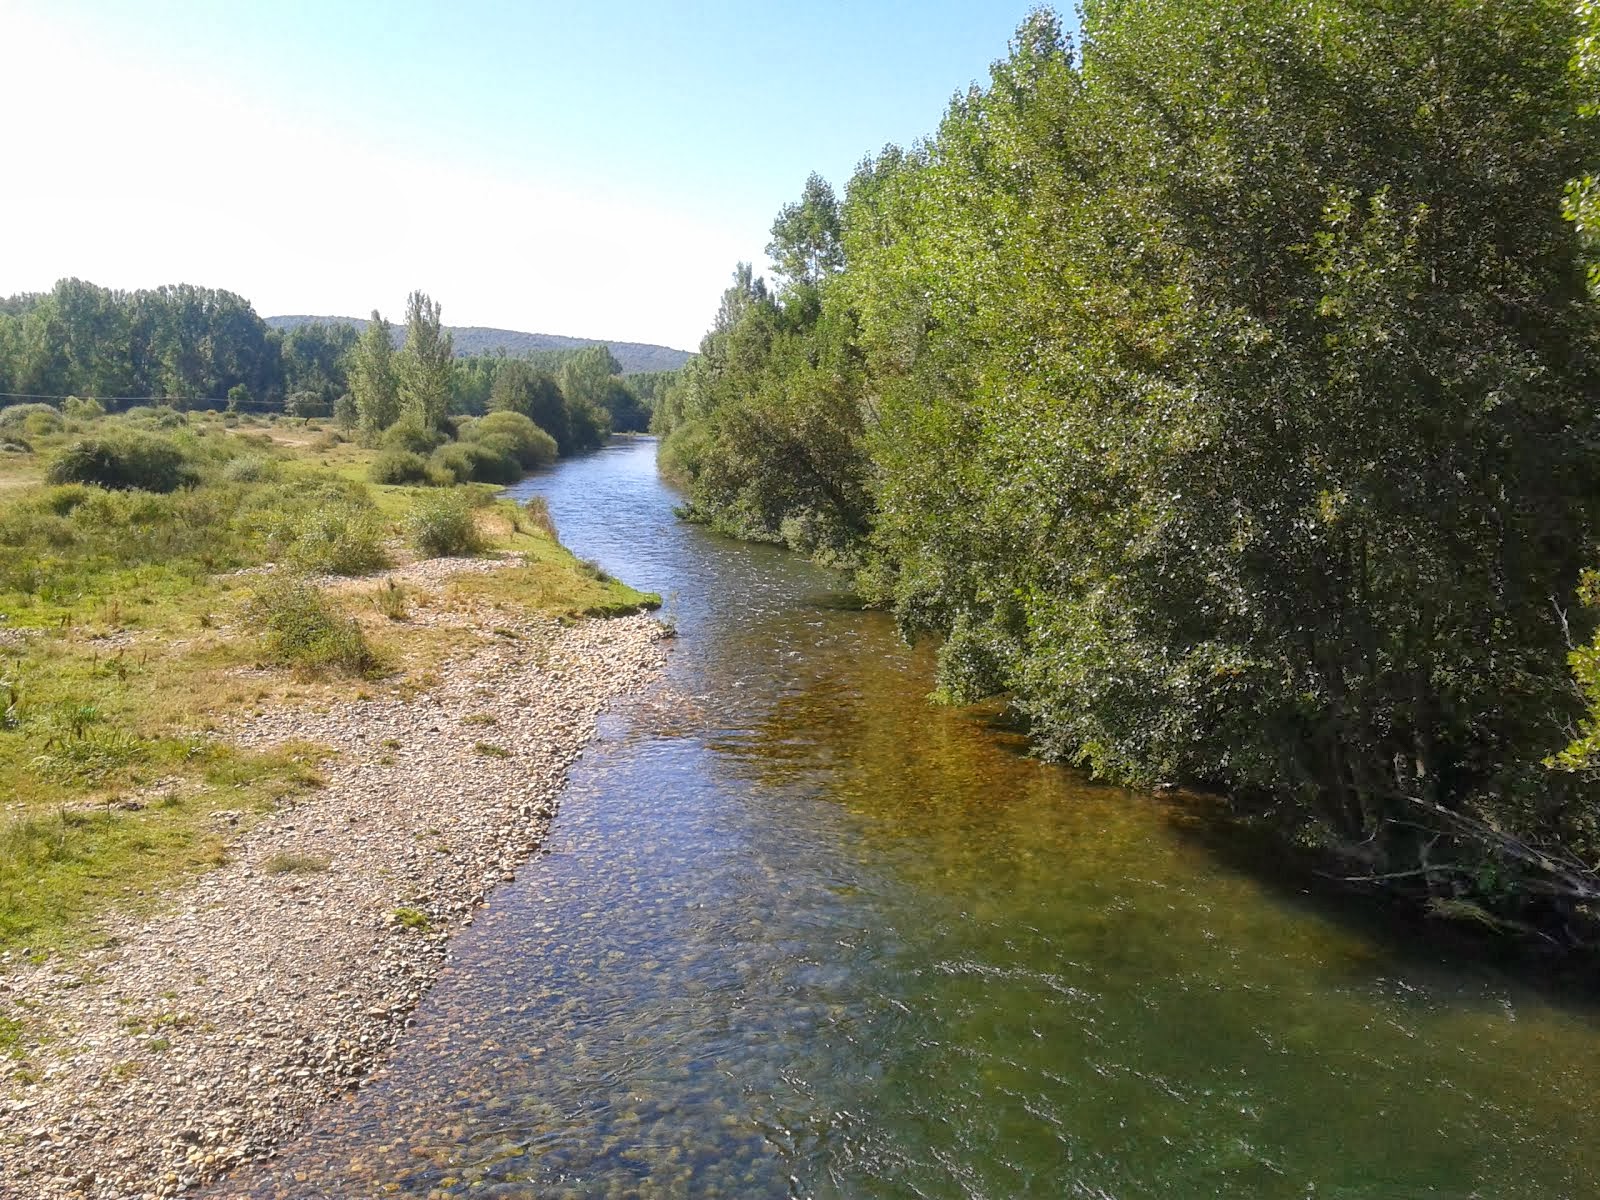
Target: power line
{"type": "Point", "coordinates": [116, 399]}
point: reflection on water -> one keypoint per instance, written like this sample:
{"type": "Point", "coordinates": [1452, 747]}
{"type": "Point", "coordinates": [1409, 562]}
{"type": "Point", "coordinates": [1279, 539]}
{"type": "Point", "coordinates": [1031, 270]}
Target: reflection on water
{"type": "Point", "coordinates": [798, 933]}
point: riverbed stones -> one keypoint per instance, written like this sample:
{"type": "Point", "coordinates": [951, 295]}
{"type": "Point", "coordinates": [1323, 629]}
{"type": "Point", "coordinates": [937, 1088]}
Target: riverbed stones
{"type": "Point", "coordinates": [199, 1039]}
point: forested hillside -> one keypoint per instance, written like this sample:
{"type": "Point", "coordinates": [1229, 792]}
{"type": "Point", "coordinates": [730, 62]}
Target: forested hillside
{"type": "Point", "coordinates": [199, 348]}
{"type": "Point", "coordinates": [472, 340]}
{"type": "Point", "coordinates": [1221, 389]}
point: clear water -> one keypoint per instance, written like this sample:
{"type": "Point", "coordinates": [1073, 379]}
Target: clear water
{"type": "Point", "coordinates": [800, 934]}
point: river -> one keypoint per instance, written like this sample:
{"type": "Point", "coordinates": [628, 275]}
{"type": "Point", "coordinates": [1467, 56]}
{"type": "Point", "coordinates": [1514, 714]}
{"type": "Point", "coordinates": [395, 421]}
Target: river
{"type": "Point", "coordinates": [797, 933]}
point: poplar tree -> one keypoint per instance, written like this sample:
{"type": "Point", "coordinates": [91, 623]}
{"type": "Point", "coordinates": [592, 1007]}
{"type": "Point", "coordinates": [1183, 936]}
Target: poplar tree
{"type": "Point", "coordinates": [426, 364]}
{"type": "Point", "coordinates": [372, 377]}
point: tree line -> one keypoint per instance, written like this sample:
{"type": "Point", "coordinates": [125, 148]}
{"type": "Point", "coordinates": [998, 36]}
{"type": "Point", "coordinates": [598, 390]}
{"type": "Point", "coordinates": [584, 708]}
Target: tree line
{"type": "Point", "coordinates": [195, 347]}
{"type": "Point", "coordinates": [1220, 388]}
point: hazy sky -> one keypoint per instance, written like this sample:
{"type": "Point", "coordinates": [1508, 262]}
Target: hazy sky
{"type": "Point", "coordinates": [582, 168]}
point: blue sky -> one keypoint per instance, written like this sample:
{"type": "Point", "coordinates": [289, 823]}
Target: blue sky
{"type": "Point", "coordinates": [591, 169]}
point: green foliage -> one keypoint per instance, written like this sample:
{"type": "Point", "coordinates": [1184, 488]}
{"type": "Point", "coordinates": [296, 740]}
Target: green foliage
{"type": "Point", "coordinates": [342, 538]}
{"type": "Point", "coordinates": [412, 918]}
{"type": "Point", "coordinates": [585, 382]}
{"type": "Point", "coordinates": [1220, 395]}
{"type": "Point", "coordinates": [123, 460]}
{"type": "Point", "coordinates": [475, 462]}
{"type": "Point", "coordinates": [514, 435]}
{"type": "Point", "coordinates": [412, 435]}
{"type": "Point", "coordinates": [805, 245]}
{"type": "Point", "coordinates": [398, 467]}
{"type": "Point", "coordinates": [519, 388]}
{"type": "Point", "coordinates": [82, 408]}
{"type": "Point", "coordinates": [30, 419]}
{"type": "Point", "coordinates": [374, 378]}
{"type": "Point", "coordinates": [189, 345]}
{"type": "Point", "coordinates": [302, 630]}
{"type": "Point", "coordinates": [316, 358]}
{"type": "Point", "coordinates": [444, 525]}
{"type": "Point", "coordinates": [425, 366]}
{"type": "Point", "coordinates": [250, 468]}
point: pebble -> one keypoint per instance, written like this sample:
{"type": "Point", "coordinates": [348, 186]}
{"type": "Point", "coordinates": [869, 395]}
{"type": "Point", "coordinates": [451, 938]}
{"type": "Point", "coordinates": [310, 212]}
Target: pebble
{"type": "Point", "coordinates": [203, 1037]}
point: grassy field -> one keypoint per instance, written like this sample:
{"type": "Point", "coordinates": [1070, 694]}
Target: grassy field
{"type": "Point", "coordinates": [135, 623]}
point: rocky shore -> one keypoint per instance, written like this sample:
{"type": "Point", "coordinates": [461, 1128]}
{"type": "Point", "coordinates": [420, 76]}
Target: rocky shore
{"type": "Point", "coordinates": [198, 1040]}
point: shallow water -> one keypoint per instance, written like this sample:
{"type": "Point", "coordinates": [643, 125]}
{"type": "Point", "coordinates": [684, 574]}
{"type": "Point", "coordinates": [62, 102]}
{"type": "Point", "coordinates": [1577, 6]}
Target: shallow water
{"type": "Point", "coordinates": [798, 933]}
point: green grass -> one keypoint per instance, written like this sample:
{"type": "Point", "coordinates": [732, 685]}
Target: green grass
{"type": "Point", "coordinates": [11, 1032]}
{"type": "Point", "coordinates": [128, 640]}
{"type": "Point", "coordinates": [63, 865]}
{"type": "Point", "coordinates": [295, 864]}
{"type": "Point", "coordinates": [412, 918]}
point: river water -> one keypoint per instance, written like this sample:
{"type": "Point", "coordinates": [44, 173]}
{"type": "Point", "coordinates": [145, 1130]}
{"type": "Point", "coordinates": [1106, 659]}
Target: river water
{"type": "Point", "coordinates": [800, 934]}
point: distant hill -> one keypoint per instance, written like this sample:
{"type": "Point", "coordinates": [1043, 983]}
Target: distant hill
{"type": "Point", "coordinates": [474, 339]}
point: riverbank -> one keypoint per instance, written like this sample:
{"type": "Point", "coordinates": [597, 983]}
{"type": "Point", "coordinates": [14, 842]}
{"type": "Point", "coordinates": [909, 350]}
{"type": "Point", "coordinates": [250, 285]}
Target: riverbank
{"type": "Point", "coordinates": [197, 1040]}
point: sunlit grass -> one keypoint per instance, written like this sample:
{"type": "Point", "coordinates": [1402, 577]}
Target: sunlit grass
{"type": "Point", "coordinates": [128, 649]}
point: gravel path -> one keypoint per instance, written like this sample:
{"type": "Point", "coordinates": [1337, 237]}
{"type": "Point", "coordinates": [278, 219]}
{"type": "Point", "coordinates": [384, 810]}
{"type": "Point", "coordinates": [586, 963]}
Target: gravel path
{"type": "Point", "coordinates": [203, 1037]}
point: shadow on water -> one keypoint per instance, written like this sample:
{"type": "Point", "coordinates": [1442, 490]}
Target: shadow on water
{"type": "Point", "coordinates": [799, 933]}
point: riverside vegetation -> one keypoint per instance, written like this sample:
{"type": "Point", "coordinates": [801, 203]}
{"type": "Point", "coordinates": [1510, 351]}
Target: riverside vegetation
{"type": "Point", "coordinates": [163, 576]}
{"type": "Point", "coordinates": [197, 348]}
{"type": "Point", "coordinates": [1220, 389]}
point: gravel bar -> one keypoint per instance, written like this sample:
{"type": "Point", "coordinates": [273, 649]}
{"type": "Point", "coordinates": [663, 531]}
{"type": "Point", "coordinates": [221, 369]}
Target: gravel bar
{"type": "Point", "coordinates": [202, 1038]}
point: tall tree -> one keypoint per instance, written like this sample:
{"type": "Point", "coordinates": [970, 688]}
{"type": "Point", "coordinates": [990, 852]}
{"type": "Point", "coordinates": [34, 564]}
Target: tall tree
{"type": "Point", "coordinates": [520, 387]}
{"type": "Point", "coordinates": [374, 382]}
{"type": "Point", "coordinates": [805, 247]}
{"type": "Point", "coordinates": [585, 382]}
{"type": "Point", "coordinates": [426, 363]}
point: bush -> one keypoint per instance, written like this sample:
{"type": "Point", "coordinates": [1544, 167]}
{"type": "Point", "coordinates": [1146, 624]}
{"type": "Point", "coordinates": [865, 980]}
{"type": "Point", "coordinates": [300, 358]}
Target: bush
{"type": "Point", "coordinates": [62, 500]}
{"type": "Point", "coordinates": [149, 417]}
{"type": "Point", "coordinates": [128, 460]}
{"type": "Point", "coordinates": [475, 463]}
{"type": "Point", "coordinates": [81, 408]}
{"type": "Point", "coordinates": [250, 468]}
{"type": "Point", "coordinates": [16, 416]}
{"type": "Point", "coordinates": [43, 424]}
{"type": "Point", "coordinates": [398, 466]}
{"type": "Point", "coordinates": [302, 630]}
{"type": "Point", "coordinates": [30, 420]}
{"type": "Point", "coordinates": [412, 436]}
{"type": "Point", "coordinates": [444, 525]}
{"type": "Point", "coordinates": [338, 539]}
{"type": "Point", "coordinates": [514, 435]}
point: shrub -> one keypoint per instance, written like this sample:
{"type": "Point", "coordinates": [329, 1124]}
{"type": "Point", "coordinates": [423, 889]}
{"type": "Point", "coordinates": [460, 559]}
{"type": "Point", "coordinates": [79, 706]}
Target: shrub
{"type": "Point", "coordinates": [15, 416]}
{"type": "Point", "coordinates": [43, 424]}
{"type": "Point", "coordinates": [391, 601]}
{"type": "Point", "coordinates": [18, 421]}
{"type": "Point", "coordinates": [475, 463]}
{"type": "Point", "coordinates": [249, 468]}
{"type": "Point", "coordinates": [82, 408]}
{"type": "Point", "coordinates": [398, 466]}
{"type": "Point", "coordinates": [123, 461]}
{"type": "Point", "coordinates": [339, 539]}
{"type": "Point", "coordinates": [62, 500]}
{"type": "Point", "coordinates": [516, 436]}
{"type": "Point", "coordinates": [444, 525]}
{"type": "Point", "coordinates": [302, 630]}
{"type": "Point", "coordinates": [149, 417]}
{"type": "Point", "coordinates": [410, 435]}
